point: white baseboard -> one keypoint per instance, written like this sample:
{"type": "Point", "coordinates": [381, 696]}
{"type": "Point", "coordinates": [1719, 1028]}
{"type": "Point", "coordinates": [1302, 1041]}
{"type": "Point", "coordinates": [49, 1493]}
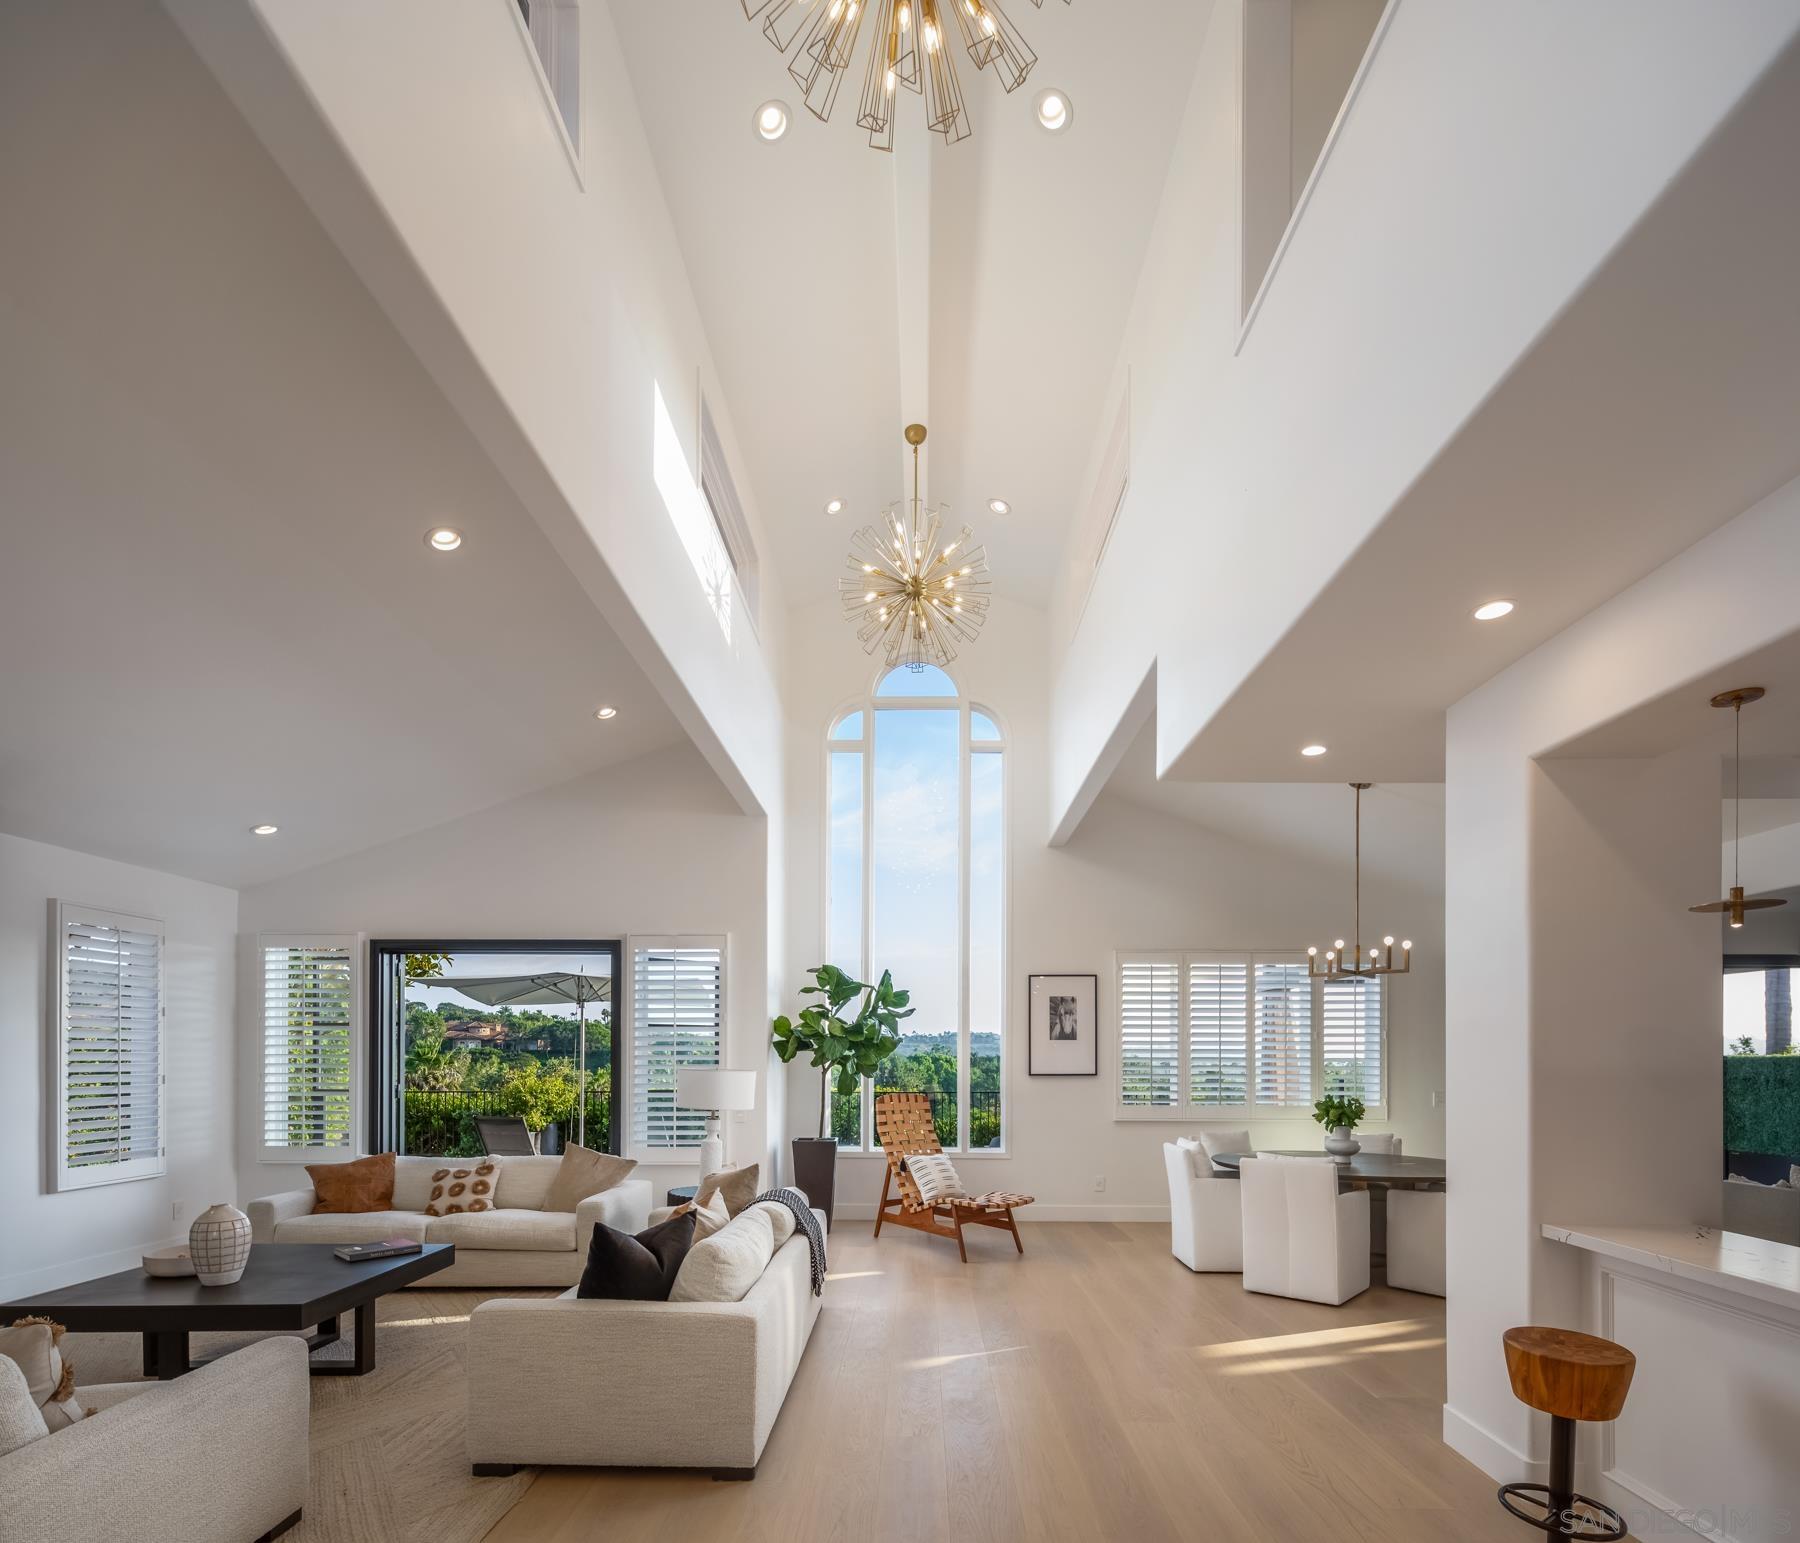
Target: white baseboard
{"type": "Point", "coordinates": [1494, 1457]}
{"type": "Point", "coordinates": [24, 1283]}
{"type": "Point", "coordinates": [864, 1211]}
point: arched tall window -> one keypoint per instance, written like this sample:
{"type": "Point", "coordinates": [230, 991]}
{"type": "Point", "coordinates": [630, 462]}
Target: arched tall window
{"type": "Point", "coordinates": [916, 884]}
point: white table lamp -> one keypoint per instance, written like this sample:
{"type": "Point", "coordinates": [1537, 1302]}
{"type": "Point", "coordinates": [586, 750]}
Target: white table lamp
{"type": "Point", "coordinates": [714, 1089]}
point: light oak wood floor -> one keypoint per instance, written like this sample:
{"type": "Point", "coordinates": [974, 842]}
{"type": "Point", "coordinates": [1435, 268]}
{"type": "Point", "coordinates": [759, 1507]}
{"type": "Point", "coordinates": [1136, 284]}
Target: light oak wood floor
{"type": "Point", "coordinates": [1093, 1389]}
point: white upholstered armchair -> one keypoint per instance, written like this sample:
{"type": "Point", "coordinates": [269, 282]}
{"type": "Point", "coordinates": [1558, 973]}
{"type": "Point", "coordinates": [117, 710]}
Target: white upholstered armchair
{"type": "Point", "coordinates": [1301, 1237]}
{"type": "Point", "coordinates": [1206, 1230]}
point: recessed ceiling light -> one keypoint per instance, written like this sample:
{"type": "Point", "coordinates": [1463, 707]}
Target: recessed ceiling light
{"type": "Point", "coordinates": [263, 830]}
{"type": "Point", "coordinates": [999, 506]}
{"type": "Point", "coordinates": [836, 506]}
{"type": "Point", "coordinates": [771, 120]}
{"type": "Point", "coordinates": [1493, 610]}
{"type": "Point", "coordinates": [1312, 749]}
{"type": "Point", "coordinates": [443, 539]}
{"type": "Point", "coordinates": [1054, 111]}
{"type": "Point", "coordinates": [603, 713]}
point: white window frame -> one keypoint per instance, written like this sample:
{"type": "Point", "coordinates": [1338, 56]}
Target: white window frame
{"type": "Point", "coordinates": [552, 40]}
{"type": "Point", "coordinates": [633, 1144]}
{"type": "Point", "coordinates": [1252, 1110]}
{"type": "Point", "coordinates": [967, 749]}
{"type": "Point", "coordinates": [63, 913]}
{"type": "Point", "coordinates": [353, 944]}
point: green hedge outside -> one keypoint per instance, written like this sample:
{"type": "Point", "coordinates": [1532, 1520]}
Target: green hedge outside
{"type": "Point", "coordinates": [1762, 1104]}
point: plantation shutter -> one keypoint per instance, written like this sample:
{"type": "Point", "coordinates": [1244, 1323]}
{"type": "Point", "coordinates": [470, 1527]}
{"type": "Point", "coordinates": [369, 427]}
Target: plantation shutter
{"type": "Point", "coordinates": [1283, 1033]}
{"type": "Point", "coordinates": [1149, 1033]}
{"type": "Point", "coordinates": [677, 1019]}
{"type": "Point", "coordinates": [1218, 1032]}
{"type": "Point", "coordinates": [109, 1047]}
{"type": "Point", "coordinates": [308, 1040]}
{"type": "Point", "coordinates": [1351, 1016]}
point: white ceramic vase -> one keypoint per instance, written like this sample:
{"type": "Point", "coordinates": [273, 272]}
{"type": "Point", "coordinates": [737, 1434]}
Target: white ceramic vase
{"type": "Point", "coordinates": [1341, 1144]}
{"type": "Point", "coordinates": [219, 1241]}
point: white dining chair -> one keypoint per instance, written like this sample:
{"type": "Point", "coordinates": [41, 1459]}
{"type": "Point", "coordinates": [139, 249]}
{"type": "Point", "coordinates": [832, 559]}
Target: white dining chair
{"type": "Point", "coordinates": [1206, 1226]}
{"type": "Point", "coordinates": [1383, 1144]}
{"type": "Point", "coordinates": [1301, 1237]}
{"type": "Point", "coordinates": [1415, 1240]}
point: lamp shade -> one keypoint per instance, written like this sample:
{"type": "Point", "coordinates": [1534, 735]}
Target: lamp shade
{"type": "Point", "coordinates": [714, 1087]}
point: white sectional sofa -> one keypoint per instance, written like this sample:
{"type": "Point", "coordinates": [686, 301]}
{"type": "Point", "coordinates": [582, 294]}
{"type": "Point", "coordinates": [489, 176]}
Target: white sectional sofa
{"type": "Point", "coordinates": [217, 1456]}
{"type": "Point", "coordinates": [639, 1384]}
{"type": "Point", "coordinates": [517, 1243]}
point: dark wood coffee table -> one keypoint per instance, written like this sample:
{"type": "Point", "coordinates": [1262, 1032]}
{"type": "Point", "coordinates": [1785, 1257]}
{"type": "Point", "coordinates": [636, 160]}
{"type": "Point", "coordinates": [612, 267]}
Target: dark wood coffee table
{"type": "Point", "coordinates": [290, 1286]}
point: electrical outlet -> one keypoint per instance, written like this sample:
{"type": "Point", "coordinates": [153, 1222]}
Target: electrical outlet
{"type": "Point", "coordinates": [1100, 1184]}
{"type": "Point", "coordinates": [176, 1209]}
{"type": "Point", "coordinates": [1437, 1098]}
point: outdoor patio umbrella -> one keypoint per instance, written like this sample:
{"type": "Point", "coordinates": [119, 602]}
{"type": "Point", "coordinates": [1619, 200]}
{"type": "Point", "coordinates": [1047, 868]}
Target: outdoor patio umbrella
{"type": "Point", "coordinates": [541, 990]}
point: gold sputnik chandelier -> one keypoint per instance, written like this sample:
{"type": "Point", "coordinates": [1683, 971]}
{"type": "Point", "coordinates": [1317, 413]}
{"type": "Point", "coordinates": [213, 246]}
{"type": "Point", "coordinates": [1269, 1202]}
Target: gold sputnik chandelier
{"type": "Point", "coordinates": [1342, 963]}
{"type": "Point", "coordinates": [912, 49]}
{"type": "Point", "coordinates": [910, 592]}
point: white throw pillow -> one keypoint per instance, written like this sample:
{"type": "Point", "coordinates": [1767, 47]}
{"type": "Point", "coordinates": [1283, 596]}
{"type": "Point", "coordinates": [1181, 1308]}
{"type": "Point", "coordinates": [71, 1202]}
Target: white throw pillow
{"type": "Point", "coordinates": [935, 1176]}
{"type": "Point", "coordinates": [725, 1266]}
{"type": "Point", "coordinates": [781, 1220]}
{"type": "Point", "coordinates": [34, 1346]}
{"type": "Point", "coordinates": [1219, 1141]}
{"type": "Point", "coordinates": [21, 1421]}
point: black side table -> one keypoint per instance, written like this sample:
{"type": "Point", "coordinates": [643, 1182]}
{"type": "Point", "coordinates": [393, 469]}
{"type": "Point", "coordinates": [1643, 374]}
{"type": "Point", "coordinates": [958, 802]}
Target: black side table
{"type": "Point", "coordinates": [681, 1194]}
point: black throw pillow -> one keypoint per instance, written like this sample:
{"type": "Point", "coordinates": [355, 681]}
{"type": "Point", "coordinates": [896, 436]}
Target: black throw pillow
{"type": "Point", "coordinates": [621, 1268]}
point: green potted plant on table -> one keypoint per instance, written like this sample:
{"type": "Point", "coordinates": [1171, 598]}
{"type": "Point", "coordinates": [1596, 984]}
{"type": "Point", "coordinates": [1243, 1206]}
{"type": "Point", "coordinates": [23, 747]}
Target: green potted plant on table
{"type": "Point", "coordinates": [1340, 1115]}
{"type": "Point", "coordinates": [850, 1033]}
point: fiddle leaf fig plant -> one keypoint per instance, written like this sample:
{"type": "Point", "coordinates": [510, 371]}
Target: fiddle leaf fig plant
{"type": "Point", "coordinates": [847, 1037]}
{"type": "Point", "coordinates": [1334, 1111]}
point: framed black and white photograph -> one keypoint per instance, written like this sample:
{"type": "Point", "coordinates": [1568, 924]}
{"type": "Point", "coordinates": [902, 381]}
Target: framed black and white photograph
{"type": "Point", "coordinates": [1065, 1026]}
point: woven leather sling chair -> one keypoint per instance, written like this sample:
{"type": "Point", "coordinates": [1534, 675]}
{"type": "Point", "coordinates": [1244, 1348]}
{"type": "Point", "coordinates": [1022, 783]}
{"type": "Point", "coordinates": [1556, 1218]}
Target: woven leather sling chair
{"type": "Point", "coordinates": [904, 1125]}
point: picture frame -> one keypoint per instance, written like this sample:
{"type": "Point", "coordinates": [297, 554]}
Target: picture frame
{"type": "Point", "coordinates": [1063, 1038]}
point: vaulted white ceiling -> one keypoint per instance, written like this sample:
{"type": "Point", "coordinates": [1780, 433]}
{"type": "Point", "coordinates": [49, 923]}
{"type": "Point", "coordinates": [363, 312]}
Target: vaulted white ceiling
{"type": "Point", "coordinates": [218, 463]}
{"type": "Point", "coordinates": [981, 287]}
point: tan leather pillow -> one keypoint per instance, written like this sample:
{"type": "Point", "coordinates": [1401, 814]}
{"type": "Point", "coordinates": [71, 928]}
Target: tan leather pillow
{"type": "Point", "coordinates": [582, 1173]}
{"type": "Point", "coordinates": [737, 1185]}
{"type": "Point", "coordinates": [709, 1218]}
{"type": "Point", "coordinates": [364, 1185]}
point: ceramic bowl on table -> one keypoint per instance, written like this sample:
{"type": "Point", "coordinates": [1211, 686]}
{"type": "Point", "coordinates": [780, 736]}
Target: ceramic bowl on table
{"type": "Point", "coordinates": [169, 1261]}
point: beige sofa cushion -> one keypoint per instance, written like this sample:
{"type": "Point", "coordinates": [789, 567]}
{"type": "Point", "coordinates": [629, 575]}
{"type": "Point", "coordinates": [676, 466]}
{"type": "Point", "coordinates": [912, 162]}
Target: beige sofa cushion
{"type": "Point", "coordinates": [524, 1182]}
{"type": "Point", "coordinates": [34, 1346]}
{"type": "Point", "coordinates": [541, 1231]}
{"type": "Point", "coordinates": [737, 1185]}
{"type": "Point", "coordinates": [582, 1173]}
{"type": "Point", "coordinates": [725, 1266]}
{"type": "Point", "coordinates": [21, 1421]}
{"type": "Point", "coordinates": [412, 1181]}
{"type": "Point", "coordinates": [351, 1227]}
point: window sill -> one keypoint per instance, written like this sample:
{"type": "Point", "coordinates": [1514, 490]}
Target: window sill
{"type": "Point", "coordinates": [980, 1154]}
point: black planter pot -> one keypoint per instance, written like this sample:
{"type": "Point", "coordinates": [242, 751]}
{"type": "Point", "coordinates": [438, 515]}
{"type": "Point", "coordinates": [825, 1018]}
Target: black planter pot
{"type": "Point", "coordinates": [815, 1171]}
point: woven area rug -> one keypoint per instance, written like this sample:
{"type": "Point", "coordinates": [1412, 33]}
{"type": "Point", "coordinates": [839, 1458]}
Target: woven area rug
{"type": "Point", "coordinates": [388, 1460]}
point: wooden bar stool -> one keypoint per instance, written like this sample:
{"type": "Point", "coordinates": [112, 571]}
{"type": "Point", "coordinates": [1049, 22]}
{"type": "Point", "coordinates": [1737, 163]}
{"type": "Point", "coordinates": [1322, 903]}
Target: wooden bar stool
{"type": "Point", "coordinates": [1570, 1377]}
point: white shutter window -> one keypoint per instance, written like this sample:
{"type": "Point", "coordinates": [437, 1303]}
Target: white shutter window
{"type": "Point", "coordinates": [1351, 1039]}
{"type": "Point", "coordinates": [109, 1016]}
{"type": "Point", "coordinates": [1218, 1031]}
{"type": "Point", "coordinates": [1149, 1032]}
{"type": "Point", "coordinates": [677, 1019]}
{"type": "Point", "coordinates": [1282, 1017]}
{"type": "Point", "coordinates": [308, 1047]}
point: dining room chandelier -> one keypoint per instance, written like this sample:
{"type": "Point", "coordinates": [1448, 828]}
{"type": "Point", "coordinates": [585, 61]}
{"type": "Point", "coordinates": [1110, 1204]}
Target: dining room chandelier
{"type": "Point", "coordinates": [910, 592]}
{"type": "Point", "coordinates": [1341, 963]}
{"type": "Point", "coordinates": [911, 48]}
{"type": "Point", "coordinates": [1734, 905]}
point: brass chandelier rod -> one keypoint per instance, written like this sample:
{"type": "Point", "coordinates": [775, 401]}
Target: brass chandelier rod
{"type": "Point", "coordinates": [1339, 964]}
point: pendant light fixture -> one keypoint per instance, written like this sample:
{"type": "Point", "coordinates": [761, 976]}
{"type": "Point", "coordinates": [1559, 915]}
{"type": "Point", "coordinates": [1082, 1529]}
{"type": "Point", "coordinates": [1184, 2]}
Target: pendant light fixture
{"type": "Point", "coordinates": [1734, 905]}
{"type": "Point", "coordinates": [1340, 963]}
{"type": "Point", "coordinates": [910, 593]}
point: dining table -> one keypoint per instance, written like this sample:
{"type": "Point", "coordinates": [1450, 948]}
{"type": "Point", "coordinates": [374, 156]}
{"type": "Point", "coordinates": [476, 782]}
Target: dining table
{"type": "Point", "coordinates": [1377, 1172]}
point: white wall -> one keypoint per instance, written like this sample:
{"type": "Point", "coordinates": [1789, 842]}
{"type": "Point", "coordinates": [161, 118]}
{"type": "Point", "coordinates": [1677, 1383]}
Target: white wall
{"type": "Point", "coordinates": [1422, 267]}
{"type": "Point", "coordinates": [550, 307]}
{"type": "Point", "coordinates": [653, 847]}
{"type": "Point", "coordinates": [1582, 997]}
{"type": "Point", "coordinates": [47, 1239]}
{"type": "Point", "coordinates": [1130, 878]}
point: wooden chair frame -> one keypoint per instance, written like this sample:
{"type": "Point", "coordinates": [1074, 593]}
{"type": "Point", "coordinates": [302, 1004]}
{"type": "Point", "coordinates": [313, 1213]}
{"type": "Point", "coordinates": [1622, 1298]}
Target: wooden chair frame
{"type": "Point", "coordinates": [906, 1129]}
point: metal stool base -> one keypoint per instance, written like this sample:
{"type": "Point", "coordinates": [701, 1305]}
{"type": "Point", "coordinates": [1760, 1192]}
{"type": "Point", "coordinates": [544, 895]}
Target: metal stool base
{"type": "Point", "coordinates": [1561, 1522]}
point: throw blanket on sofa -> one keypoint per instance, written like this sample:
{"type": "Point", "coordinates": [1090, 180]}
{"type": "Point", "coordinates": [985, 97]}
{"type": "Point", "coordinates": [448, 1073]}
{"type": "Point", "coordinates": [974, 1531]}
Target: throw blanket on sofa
{"type": "Point", "coordinates": [808, 1223]}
